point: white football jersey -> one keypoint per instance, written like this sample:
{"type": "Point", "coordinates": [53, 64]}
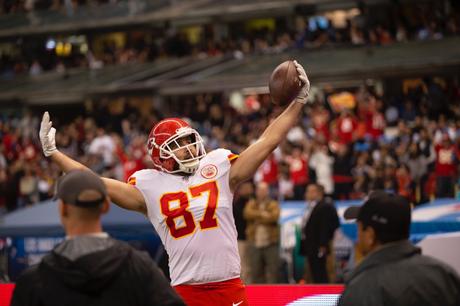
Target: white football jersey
{"type": "Point", "coordinates": [193, 216]}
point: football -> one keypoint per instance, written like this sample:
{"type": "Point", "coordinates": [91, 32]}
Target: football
{"type": "Point", "coordinates": [284, 84]}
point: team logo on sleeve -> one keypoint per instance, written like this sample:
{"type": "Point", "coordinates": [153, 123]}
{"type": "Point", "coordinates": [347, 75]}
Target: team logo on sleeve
{"type": "Point", "coordinates": [209, 171]}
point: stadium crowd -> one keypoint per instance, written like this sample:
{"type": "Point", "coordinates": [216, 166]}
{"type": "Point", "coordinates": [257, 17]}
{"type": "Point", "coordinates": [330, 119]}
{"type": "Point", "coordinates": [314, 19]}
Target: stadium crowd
{"type": "Point", "coordinates": [364, 29]}
{"type": "Point", "coordinates": [19, 6]}
{"type": "Point", "coordinates": [409, 145]}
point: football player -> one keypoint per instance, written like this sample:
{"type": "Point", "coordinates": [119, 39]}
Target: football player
{"type": "Point", "coordinates": [188, 199]}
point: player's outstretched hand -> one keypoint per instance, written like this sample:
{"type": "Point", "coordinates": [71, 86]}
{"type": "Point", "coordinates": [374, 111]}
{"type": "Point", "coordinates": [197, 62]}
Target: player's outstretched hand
{"type": "Point", "coordinates": [47, 135]}
{"type": "Point", "coordinates": [305, 90]}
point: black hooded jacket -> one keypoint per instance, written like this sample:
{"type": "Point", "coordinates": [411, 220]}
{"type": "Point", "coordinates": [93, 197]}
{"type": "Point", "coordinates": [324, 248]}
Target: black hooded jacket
{"type": "Point", "coordinates": [398, 274]}
{"type": "Point", "coordinates": [94, 271]}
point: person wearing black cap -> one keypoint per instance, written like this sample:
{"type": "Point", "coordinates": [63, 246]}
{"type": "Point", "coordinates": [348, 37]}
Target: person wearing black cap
{"type": "Point", "coordinates": [89, 267]}
{"type": "Point", "coordinates": [393, 271]}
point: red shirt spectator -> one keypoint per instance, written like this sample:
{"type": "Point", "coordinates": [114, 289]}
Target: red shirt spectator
{"type": "Point", "coordinates": [375, 124]}
{"type": "Point", "coordinates": [131, 160]}
{"type": "Point", "coordinates": [298, 167]}
{"type": "Point", "coordinates": [10, 144]}
{"type": "Point", "coordinates": [403, 179]}
{"type": "Point", "coordinates": [346, 127]}
{"type": "Point", "coordinates": [445, 159]}
{"type": "Point", "coordinates": [320, 120]}
{"type": "Point", "coordinates": [28, 150]}
{"type": "Point", "coordinates": [269, 171]}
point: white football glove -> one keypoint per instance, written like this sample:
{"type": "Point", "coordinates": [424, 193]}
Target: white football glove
{"type": "Point", "coordinates": [47, 135]}
{"type": "Point", "coordinates": [305, 90]}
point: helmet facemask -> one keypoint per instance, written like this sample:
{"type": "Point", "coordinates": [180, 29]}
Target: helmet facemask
{"type": "Point", "coordinates": [172, 146]}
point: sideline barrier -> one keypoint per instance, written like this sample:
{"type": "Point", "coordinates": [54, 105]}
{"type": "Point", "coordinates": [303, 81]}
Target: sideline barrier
{"type": "Point", "coordinates": [293, 295]}
{"type": "Point", "coordinates": [6, 291]}
{"type": "Point", "coordinates": [258, 295]}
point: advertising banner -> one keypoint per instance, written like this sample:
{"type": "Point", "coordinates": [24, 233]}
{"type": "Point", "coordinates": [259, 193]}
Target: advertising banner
{"type": "Point", "coordinates": [258, 295]}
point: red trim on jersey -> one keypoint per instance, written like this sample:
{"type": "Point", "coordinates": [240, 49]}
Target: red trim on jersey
{"type": "Point", "coordinates": [132, 181]}
{"type": "Point", "coordinates": [232, 157]}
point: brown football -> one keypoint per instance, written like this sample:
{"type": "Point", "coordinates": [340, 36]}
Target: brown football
{"type": "Point", "coordinates": [284, 83]}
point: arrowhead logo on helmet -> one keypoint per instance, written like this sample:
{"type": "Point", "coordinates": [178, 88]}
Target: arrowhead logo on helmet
{"type": "Point", "coordinates": [175, 147]}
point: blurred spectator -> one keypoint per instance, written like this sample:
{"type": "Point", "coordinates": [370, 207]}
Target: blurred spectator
{"type": "Point", "coordinates": [320, 122]}
{"type": "Point", "coordinates": [375, 121]}
{"type": "Point", "coordinates": [35, 68]}
{"type": "Point", "coordinates": [44, 185]}
{"type": "Point", "coordinates": [285, 185]}
{"type": "Point", "coordinates": [319, 223]}
{"type": "Point", "coordinates": [298, 171]}
{"type": "Point", "coordinates": [417, 164]}
{"type": "Point", "coordinates": [3, 190]}
{"type": "Point", "coordinates": [28, 188]}
{"type": "Point", "coordinates": [446, 155]}
{"type": "Point", "coordinates": [262, 232]}
{"type": "Point", "coordinates": [404, 183]}
{"type": "Point", "coordinates": [103, 146]}
{"type": "Point", "coordinates": [321, 163]}
{"type": "Point", "coordinates": [132, 157]}
{"type": "Point", "coordinates": [360, 187]}
{"type": "Point", "coordinates": [243, 195]}
{"type": "Point", "coordinates": [343, 180]}
{"type": "Point", "coordinates": [268, 173]}
{"type": "Point", "coordinates": [425, 143]}
{"type": "Point", "coordinates": [401, 33]}
{"type": "Point", "coordinates": [362, 173]}
{"type": "Point", "coordinates": [3, 163]}
{"type": "Point", "coordinates": [389, 179]}
{"type": "Point", "coordinates": [346, 126]}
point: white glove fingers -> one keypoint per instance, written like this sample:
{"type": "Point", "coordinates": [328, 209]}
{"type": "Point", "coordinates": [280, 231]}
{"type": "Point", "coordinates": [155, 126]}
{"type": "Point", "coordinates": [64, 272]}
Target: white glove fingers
{"type": "Point", "coordinates": [46, 117]}
{"type": "Point", "coordinates": [47, 135]}
{"type": "Point", "coordinates": [304, 92]}
{"type": "Point", "coordinates": [52, 134]}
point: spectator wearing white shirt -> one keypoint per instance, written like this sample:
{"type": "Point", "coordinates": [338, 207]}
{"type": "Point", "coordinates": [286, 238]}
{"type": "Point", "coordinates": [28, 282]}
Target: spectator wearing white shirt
{"type": "Point", "coordinates": [104, 146]}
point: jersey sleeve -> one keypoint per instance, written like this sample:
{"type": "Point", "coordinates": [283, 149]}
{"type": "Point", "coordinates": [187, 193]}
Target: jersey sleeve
{"type": "Point", "coordinates": [222, 159]}
{"type": "Point", "coordinates": [140, 176]}
{"type": "Point", "coordinates": [142, 181]}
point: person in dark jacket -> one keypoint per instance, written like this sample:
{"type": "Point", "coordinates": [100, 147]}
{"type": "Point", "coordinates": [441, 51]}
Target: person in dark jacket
{"type": "Point", "coordinates": [89, 267]}
{"type": "Point", "coordinates": [394, 272]}
{"type": "Point", "coordinates": [318, 226]}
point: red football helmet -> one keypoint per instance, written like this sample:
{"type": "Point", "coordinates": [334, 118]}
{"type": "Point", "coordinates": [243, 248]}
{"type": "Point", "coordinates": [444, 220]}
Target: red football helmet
{"type": "Point", "coordinates": [163, 145]}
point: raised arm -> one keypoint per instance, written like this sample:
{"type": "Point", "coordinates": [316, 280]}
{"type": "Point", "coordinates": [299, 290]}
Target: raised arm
{"type": "Point", "coordinates": [251, 158]}
{"type": "Point", "coordinates": [122, 194]}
